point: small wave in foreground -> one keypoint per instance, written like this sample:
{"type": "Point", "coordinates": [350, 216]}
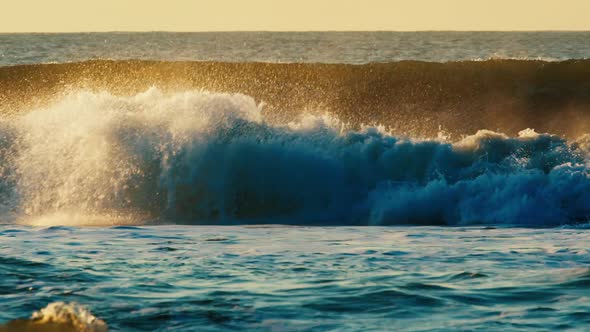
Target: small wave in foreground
{"type": "Point", "coordinates": [58, 317]}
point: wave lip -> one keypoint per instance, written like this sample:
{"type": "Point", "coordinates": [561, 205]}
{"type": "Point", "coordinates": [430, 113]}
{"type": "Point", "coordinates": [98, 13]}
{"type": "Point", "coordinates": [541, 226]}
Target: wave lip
{"type": "Point", "coordinates": [412, 97]}
{"type": "Point", "coordinates": [213, 158]}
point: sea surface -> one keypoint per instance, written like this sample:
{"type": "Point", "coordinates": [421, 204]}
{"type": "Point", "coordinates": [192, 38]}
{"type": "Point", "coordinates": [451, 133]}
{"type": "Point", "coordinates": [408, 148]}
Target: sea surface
{"type": "Point", "coordinates": [320, 181]}
{"type": "Point", "coordinates": [293, 47]}
{"type": "Point", "coordinates": [278, 278]}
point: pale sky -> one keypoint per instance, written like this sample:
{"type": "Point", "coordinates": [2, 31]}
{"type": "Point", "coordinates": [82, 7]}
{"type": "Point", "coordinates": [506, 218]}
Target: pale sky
{"type": "Point", "coordinates": [291, 15]}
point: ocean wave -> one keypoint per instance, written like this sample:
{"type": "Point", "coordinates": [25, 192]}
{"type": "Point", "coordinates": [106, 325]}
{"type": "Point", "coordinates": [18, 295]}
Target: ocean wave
{"type": "Point", "coordinates": [212, 158]}
{"type": "Point", "coordinates": [58, 317]}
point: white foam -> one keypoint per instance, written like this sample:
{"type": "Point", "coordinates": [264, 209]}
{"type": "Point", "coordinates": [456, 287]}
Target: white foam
{"type": "Point", "coordinates": [71, 315]}
{"type": "Point", "coordinates": [202, 157]}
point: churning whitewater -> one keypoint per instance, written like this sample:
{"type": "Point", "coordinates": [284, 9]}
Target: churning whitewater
{"type": "Point", "coordinates": [211, 158]}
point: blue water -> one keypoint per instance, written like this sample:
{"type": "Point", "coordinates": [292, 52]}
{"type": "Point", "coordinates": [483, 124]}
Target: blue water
{"type": "Point", "coordinates": [208, 278]}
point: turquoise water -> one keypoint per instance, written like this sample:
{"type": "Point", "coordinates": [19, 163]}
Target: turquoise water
{"type": "Point", "coordinates": [278, 278]}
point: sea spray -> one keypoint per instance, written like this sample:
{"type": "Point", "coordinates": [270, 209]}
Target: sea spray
{"type": "Point", "coordinates": [213, 158]}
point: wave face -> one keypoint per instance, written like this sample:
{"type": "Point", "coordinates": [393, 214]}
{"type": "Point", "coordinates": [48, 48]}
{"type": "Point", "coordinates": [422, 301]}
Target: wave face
{"type": "Point", "coordinates": [213, 158]}
{"type": "Point", "coordinates": [412, 98]}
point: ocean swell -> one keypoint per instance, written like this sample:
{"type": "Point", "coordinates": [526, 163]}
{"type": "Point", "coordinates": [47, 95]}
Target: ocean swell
{"type": "Point", "coordinates": [212, 158]}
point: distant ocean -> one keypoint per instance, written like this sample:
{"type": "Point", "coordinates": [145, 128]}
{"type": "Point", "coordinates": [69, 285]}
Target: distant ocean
{"type": "Point", "coordinates": [318, 181]}
{"type": "Point", "coordinates": [293, 47]}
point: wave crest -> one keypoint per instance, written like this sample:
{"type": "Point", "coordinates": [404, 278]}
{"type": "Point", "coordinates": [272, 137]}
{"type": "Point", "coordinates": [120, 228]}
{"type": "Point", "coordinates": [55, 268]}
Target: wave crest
{"type": "Point", "coordinates": [414, 98]}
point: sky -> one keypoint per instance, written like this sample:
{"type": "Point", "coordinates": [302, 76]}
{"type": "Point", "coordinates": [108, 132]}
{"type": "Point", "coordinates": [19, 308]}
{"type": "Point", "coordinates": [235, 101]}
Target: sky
{"type": "Point", "coordinates": [291, 15]}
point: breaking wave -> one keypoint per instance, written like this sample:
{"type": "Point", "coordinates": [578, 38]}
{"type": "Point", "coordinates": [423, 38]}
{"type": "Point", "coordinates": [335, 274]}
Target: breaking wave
{"type": "Point", "coordinates": [213, 158]}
